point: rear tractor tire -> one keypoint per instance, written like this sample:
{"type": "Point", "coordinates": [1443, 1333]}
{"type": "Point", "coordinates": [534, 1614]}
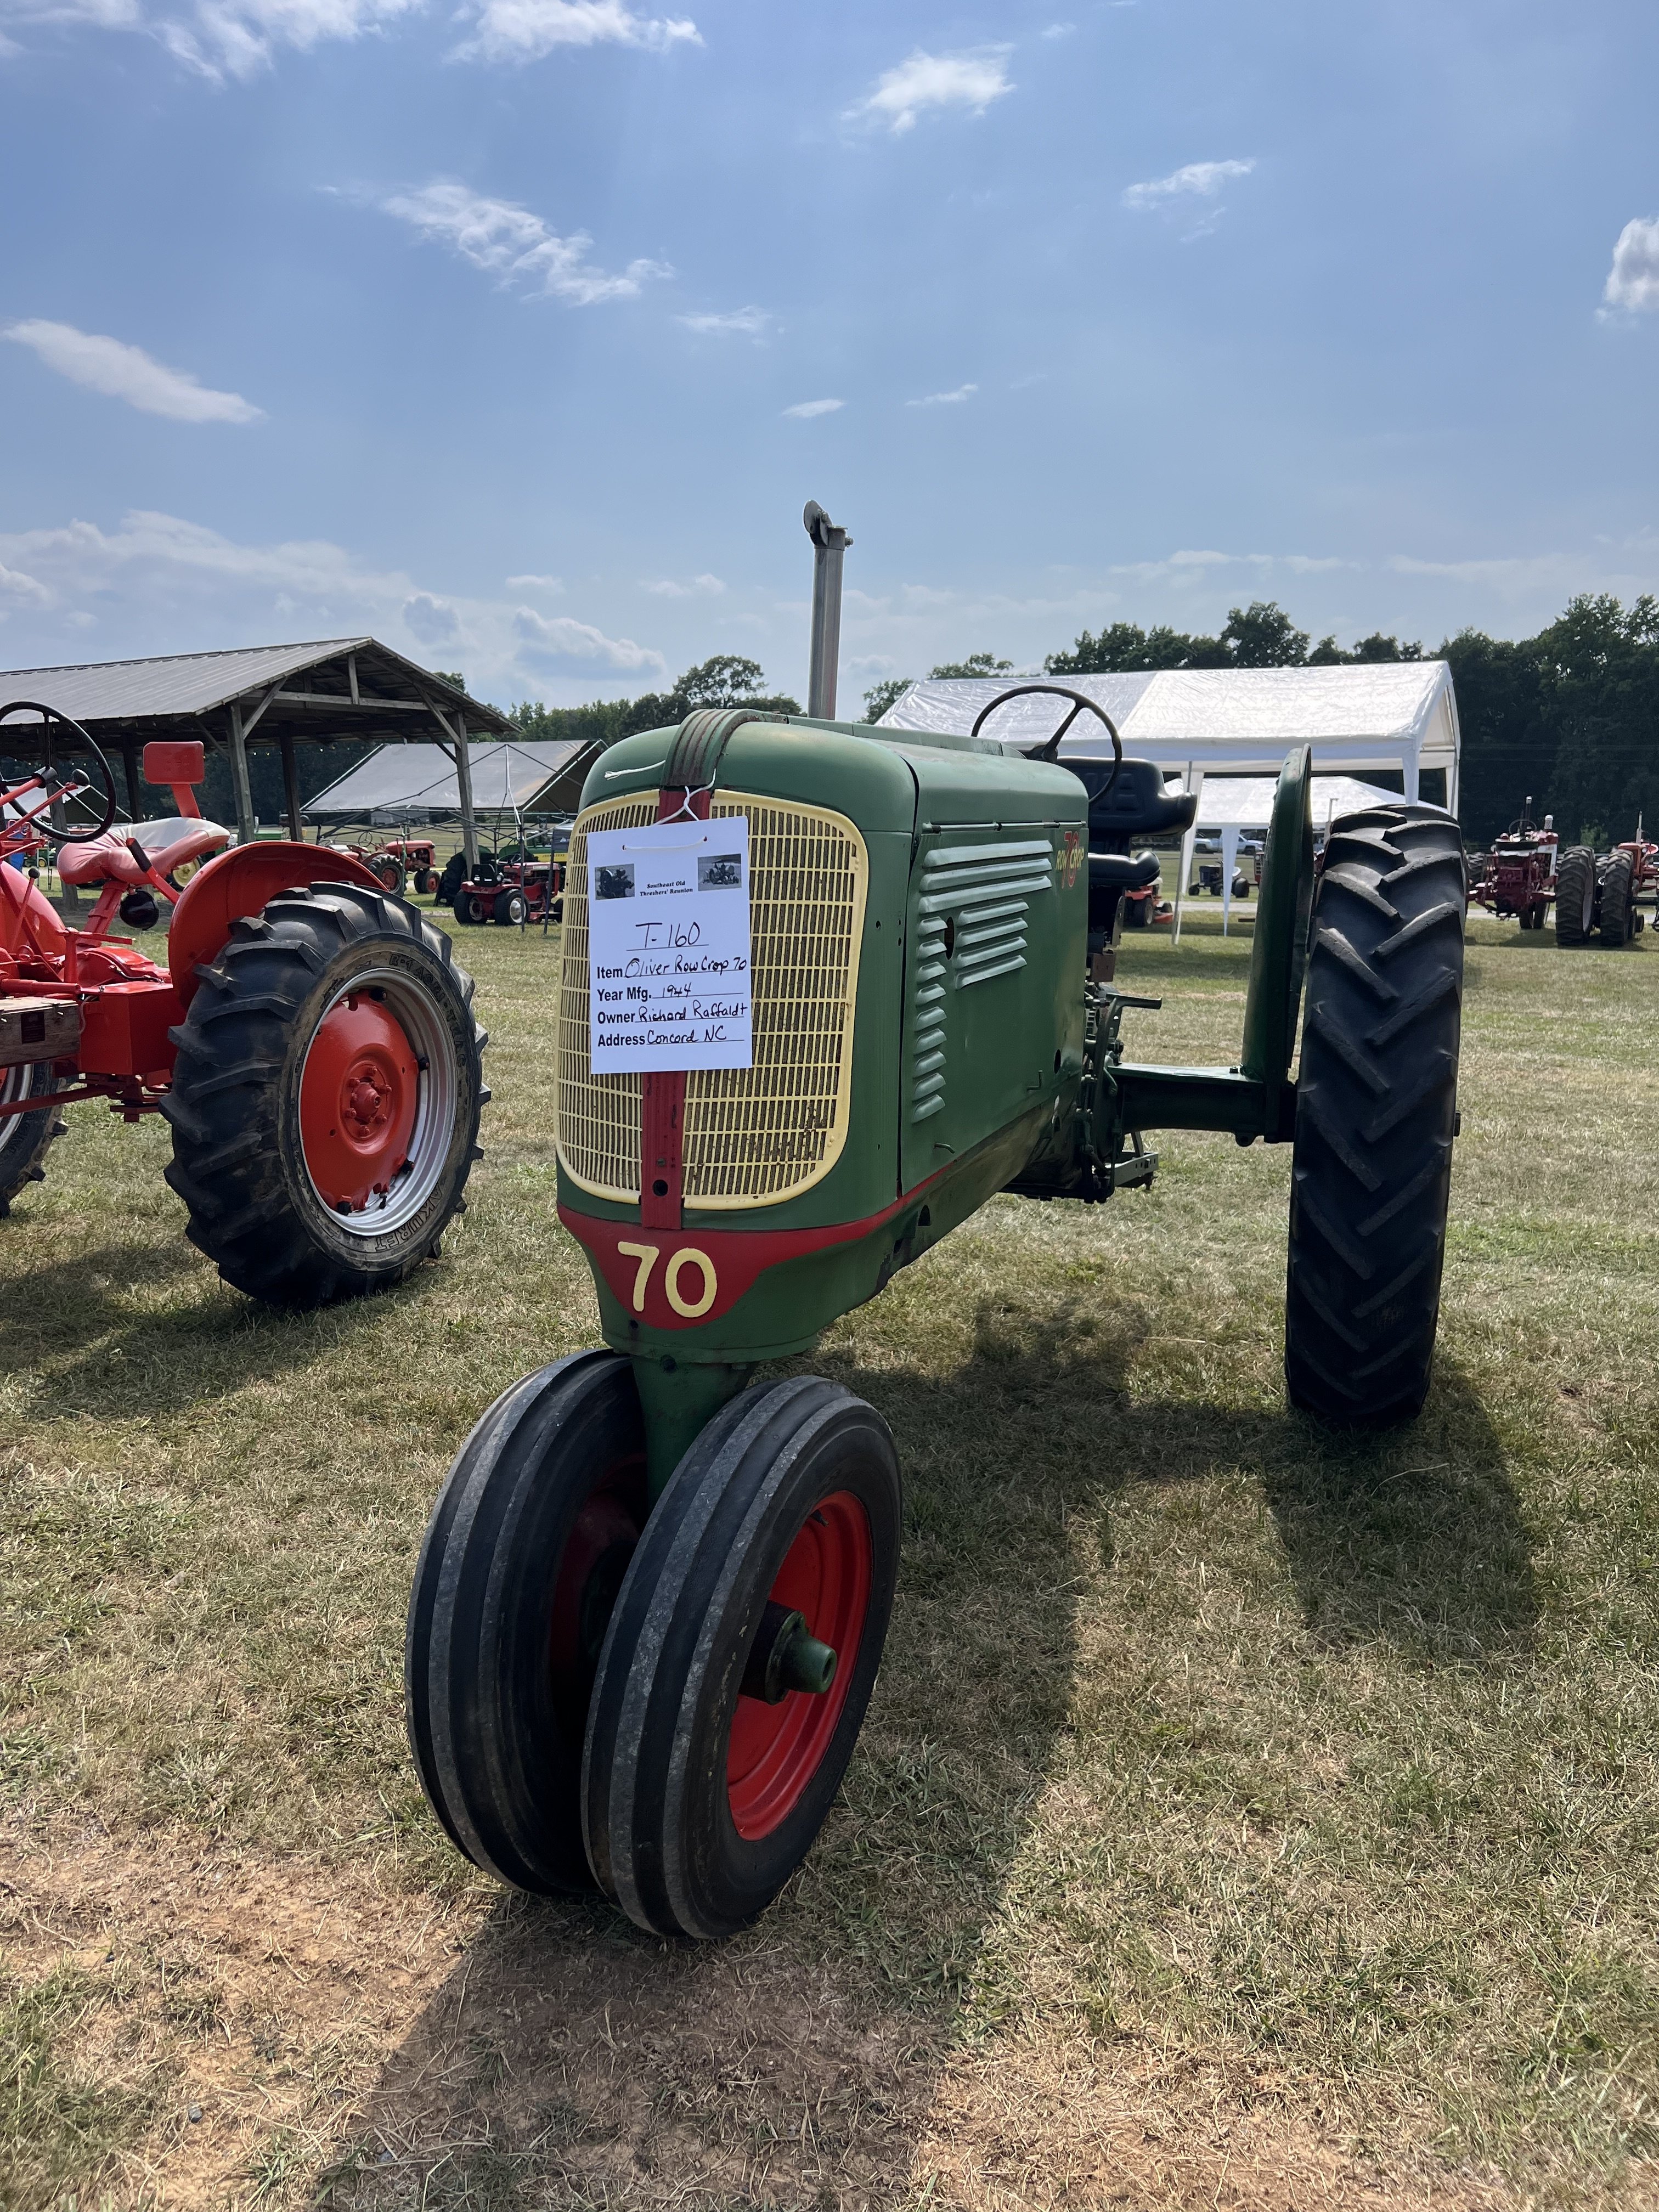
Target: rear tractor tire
{"type": "Point", "coordinates": [510, 908]}
{"type": "Point", "coordinates": [324, 1104]}
{"type": "Point", "coordinates": [1376, 1104]}
{"type": "Point", "coordinates": [1618, 917]}
{"type": "Point", "coordinates": [391, 872]}
{"type": "Point", "coordinates": [1575, 896]}
{"type": "Point", "coordinates": [25, 1138]}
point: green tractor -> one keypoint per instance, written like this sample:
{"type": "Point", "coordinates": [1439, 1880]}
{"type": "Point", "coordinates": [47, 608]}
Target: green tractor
{"type": "Point", "coordinates": [652, 1596]}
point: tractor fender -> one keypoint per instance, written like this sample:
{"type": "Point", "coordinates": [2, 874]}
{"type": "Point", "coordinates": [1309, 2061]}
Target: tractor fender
{"type": "Point", "coordinates": [19, 898]}
{"type": "Point", "coordinates": [240, 882]}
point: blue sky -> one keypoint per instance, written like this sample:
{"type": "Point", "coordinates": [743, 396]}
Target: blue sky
{"type": "Point", "coordinates": [507, 330]}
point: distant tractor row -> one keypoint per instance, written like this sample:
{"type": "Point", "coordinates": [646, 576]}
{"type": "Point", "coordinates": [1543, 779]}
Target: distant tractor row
{"type": "Point", "coordinates": [1595, 894]}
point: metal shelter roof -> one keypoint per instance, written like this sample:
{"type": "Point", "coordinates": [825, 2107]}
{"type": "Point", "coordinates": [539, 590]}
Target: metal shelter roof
{"type": "Point", "coordinates": [507, 778]}
{"type": "Point", "coordinates": [353, 687]}
{"type": "Point", "coordinates": [1381, 715]}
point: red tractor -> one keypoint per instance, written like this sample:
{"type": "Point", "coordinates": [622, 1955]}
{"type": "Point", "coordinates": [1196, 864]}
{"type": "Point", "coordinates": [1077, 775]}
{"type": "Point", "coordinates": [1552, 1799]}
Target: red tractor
{"type": "Point", "coordinates": [512, 892]}
{"type": "Point", "coordinates": [400, 864]}
{"type": "Point", "coordinates": [309, 1040]}
{"type": "Point", "coordinates": [1518, 880]}
{"type": "Point", "coordinates": [1599, 894]}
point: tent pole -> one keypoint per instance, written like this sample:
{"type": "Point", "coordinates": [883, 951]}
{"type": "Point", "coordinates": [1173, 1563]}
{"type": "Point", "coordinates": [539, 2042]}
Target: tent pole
{"type": "Point", "coordinates": [296, 828]}
{"type": "Point", "coordinates": [1186, 844]}
{"type": "Point", "coordinates": [246, 829]}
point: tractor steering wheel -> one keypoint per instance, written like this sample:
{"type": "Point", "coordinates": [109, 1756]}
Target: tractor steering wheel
{"type": "Point", "coordinates": [1049, 749]}
{"type": "Point", "coordinates": [69, 836]}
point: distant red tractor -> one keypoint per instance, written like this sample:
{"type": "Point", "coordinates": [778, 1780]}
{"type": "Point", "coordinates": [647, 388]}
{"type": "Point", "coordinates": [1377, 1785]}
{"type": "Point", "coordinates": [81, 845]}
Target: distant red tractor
{"type": "Point", "coordinates": [511, 892]}
{"type": "Point", "coordinates": [1518, 880]}
{"type": "Point", "coordinates": [310, 1041]}
{"type": "Point", "coordinates": [400, 864]}
{"type": "Point", "coordinates": [1598, 894]}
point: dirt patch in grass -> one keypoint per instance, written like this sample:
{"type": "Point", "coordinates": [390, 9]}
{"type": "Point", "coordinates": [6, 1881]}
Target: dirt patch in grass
{"type": "Point", "coordinates": [223, 2029]}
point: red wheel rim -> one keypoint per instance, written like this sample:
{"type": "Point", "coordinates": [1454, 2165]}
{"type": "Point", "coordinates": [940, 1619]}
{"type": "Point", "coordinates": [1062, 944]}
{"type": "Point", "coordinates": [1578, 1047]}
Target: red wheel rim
{"type": "Point", "coordinates": [774, 1751]}
{"type": "Point", "coordinates": [359, 1096]}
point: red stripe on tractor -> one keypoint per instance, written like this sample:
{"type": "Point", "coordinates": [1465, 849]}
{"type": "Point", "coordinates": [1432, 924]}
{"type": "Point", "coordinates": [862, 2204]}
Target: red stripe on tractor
{"type": "Point", "coordinates": [662, 1280]}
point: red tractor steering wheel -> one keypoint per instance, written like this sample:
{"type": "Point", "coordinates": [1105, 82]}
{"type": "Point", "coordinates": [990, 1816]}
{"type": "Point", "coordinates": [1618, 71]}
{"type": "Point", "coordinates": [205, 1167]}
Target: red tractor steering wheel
{"type": "Point", "coordinates": [70, 784]}
{"type": "Point", "coordinates": [1049, 749]}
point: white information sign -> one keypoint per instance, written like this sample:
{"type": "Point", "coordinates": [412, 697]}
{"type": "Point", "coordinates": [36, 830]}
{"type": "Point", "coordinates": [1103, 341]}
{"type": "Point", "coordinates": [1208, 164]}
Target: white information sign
{"type": "Point", "coordinates": [668, 946]}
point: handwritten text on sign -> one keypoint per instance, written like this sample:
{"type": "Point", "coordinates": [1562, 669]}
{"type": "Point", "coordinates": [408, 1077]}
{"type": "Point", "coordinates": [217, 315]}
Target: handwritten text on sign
{"type": "Point", "coordinates": [668, 946]}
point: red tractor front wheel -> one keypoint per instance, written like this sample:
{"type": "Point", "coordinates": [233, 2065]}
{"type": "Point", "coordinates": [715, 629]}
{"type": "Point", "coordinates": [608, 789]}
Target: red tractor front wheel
{"type": "Point", "coordinates": [324, 1103]}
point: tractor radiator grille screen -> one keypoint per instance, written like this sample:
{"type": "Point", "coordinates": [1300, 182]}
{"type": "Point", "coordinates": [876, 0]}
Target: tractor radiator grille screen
{"type": "Point", "coordinates": [754, 1135]}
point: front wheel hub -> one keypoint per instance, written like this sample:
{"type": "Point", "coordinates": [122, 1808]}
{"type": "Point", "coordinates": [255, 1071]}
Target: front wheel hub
{"type": "Point", "coordinates": [376, 1101]}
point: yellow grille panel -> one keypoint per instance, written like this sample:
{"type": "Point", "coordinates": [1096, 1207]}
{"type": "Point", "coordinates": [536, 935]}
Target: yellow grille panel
{"type": "Point", "coordinates": [754, 1135]}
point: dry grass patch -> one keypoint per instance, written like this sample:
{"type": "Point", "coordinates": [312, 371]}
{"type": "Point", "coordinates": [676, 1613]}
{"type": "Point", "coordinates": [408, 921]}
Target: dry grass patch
{"type": "Point", "coordinates": [1244, 1815]}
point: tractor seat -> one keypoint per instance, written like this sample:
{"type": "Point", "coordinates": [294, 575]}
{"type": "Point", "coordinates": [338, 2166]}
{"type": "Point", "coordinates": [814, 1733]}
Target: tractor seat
{"type": "Point", "coordinates": [1137, 805]}
{"type": "Point", "coordinates": [166, 845]}
{"type": "Point", "coordinates": [1116, 872]}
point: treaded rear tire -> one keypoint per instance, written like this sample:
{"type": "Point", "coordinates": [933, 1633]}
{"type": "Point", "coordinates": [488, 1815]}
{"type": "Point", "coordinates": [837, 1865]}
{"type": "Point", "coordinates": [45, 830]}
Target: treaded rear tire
{"type": "Point", "coordinates": [1618, 901]}
{"type": "Point", "coordinates": [25, 1138]}
{"type": "Point", "coordinates": [239, 1161]}
{"type": "Point", "coordinates": [1376, 1101]}
{"type": "Point", "coordinates": [1575, 896]}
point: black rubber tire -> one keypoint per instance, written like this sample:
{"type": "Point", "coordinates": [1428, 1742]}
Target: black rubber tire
{"type": "Point", "coordinates": [1376, 1105]}
{"type": "Point", "coordinates": [1137, 912]}
{"type": "Point", "coordinates": [556, 914]}
{"type": "Point", "coordinates": [471, 910]}
{"type": "Point", "coordinates": [659, 1829]}
{"type": "Point", "coordinates": [391, 873]}
{"type": "Point", "coordinates": [510, 908]}
{"type": "Point", "coordinates": [238, 1161]}
{"type": "Point", "coordinates": [495, 1730]}
{"type": "Point", "coordinates": [26, 1139]}
{"type": "Point", "coordinates": [1575, 896]}
{"type": "Point", "coordinates": [454, 876]}
{"type": "Point", "coordinates": [1618, 901]}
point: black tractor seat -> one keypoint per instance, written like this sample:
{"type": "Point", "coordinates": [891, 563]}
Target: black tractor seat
{"type": "Point", "coordinates": [1120, 871]}
{"type": "Point", "coordinates": [1137, 805]}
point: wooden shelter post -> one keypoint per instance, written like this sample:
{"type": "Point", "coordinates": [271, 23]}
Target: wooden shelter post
{"type": "Point", "coordinates": [246, 828]}
{"type": "Point", "coordinates": [296, 828]}
{"type": "Point", "coordinates": [130, 764]}
{"type": "Point", "coordinates": [463, 785]}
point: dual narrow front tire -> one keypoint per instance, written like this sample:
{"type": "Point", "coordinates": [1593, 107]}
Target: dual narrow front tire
{"type": "Point", "coordinates": [589, 1699]}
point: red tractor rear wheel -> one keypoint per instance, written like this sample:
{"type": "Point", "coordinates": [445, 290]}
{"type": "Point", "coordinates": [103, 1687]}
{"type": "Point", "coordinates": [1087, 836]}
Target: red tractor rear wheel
{"type": "Point", "coordinates": [324, 1103]}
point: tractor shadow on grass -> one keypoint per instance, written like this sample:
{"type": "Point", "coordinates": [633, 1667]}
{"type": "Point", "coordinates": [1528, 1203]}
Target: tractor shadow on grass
{"type": "Point", "coordinates": [569, 2060]}
{"type": "Point", "coordinates": [109, 1347]}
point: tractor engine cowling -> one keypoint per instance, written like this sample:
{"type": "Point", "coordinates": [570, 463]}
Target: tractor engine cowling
{"type": "Point", "coordinates": [919, 916]}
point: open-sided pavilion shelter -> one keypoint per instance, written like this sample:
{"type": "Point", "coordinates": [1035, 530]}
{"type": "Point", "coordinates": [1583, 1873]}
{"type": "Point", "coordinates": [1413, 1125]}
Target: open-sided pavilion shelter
{"type": "Point", "coordinates": [281, 697]}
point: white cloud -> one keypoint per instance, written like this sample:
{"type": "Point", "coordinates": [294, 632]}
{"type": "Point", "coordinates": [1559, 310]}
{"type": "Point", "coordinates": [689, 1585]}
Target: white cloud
{"type": "Point", "coordinates": [553, 584]}
{"type": "Point", "coordinates": [1060, 30]}
{"type": "Point", "coordinates": [1633, 280]}
{"type": "Point", "coordinates": [558, 638]}
{"type": "Point", "coordinates": [14, 584]}
{"type": "Point", "coordinates": [514, 244]}
{"type": "Point", "coordinates": [804, 409]}
{"type": "Point", "coordinates": [945, 399]}
{"type": "Point", "coordinates": [699, 588]}
{"type": "Point", "coordinates": [161, 584]}
{"type": "Point", "coordinates": [970, 80]}
{"type": "Point", "coordinates": [737, 322]}
{"type": "Point", "coordinates": [524, 30]}
{"type": "Point", "coordinates": [1199, 180]}
{"type": "Point", "coordinates": [434, 622]}
{"type": "Point", "coordinates": [127, 372]}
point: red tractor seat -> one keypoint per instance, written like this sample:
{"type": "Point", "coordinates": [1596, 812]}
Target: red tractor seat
{"type": "Point", "coordinates": [166, 845]}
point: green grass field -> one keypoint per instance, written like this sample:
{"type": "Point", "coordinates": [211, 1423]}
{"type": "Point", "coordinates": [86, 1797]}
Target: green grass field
{"type": "Point", "coordinates": [1245, 1816]}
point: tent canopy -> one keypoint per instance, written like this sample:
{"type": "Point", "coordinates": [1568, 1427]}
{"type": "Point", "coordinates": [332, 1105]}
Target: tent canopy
{"type": "Point", "coordinates": [1382, 714]}
{"type": "Point", "coordinates": [1246, 802]}
{"type": "Point", "coordinates": [506, 779]}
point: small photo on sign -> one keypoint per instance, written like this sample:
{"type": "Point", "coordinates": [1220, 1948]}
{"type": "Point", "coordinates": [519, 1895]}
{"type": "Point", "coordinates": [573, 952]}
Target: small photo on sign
{"type": "Point", "coordinates": [720, 872]}
{"type": "Point", "coordinates": [669, 948]}
{"type": "Point", "coordinates": [614, 882]}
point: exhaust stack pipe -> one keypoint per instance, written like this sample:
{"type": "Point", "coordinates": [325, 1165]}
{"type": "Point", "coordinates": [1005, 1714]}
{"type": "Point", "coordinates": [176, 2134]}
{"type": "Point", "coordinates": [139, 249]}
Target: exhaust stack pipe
{"type": "Point", "coordinates": [830, 544]}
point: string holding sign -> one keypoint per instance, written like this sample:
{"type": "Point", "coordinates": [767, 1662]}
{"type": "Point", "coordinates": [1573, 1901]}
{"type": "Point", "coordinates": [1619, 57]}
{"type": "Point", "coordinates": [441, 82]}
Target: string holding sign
{"type": "Point", "coordinates": [668, 946]}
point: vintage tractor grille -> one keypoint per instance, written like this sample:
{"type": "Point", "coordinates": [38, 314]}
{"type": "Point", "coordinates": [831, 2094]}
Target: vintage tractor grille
{"type": "Point", "coordinates": [984, 891]}
{"type": "Point", "coordinates": [754, 1135]}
